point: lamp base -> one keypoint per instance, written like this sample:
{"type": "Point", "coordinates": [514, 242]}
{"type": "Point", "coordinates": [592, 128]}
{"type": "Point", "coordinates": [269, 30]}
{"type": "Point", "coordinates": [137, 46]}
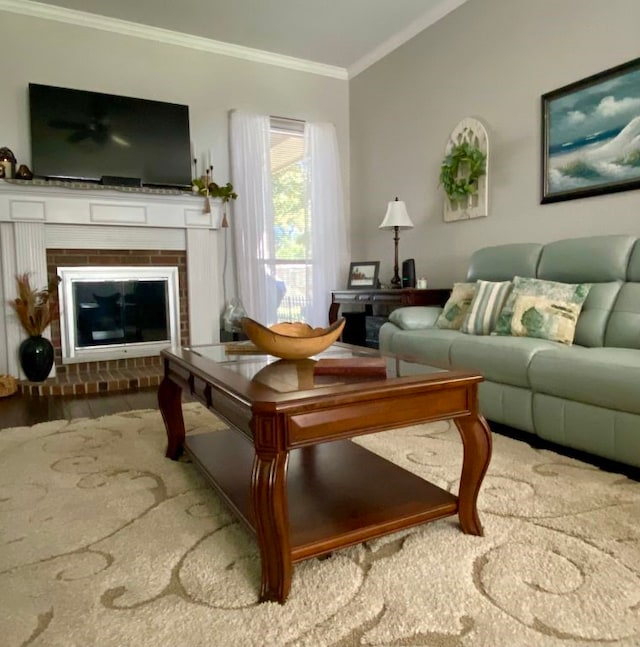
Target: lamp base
{"type": "Point", "coordinates": [396, 281]}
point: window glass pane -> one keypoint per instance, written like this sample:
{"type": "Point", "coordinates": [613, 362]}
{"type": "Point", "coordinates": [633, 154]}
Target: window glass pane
{"type": "Point", "coordinates": [290, 214]}
{"type": "Point", "coordinates": [292, 266]}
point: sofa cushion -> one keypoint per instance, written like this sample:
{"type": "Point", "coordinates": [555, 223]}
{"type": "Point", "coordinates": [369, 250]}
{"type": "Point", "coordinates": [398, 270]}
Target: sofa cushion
{"type": "Point", "coordinates": [415, 317]}
{"type": "Point", "coordinates": [593, 259]}
{"type": "Point", "coordinates": [503, 262]}
{"type": "Point", "coordinates": [606, 377]}
{"type": "Point", "coordinates": [544, 309]}
{"type": "Point", "coordinates": [457, 306]}
{"type": "Point", "coordinates": [633, 268]}
{"type": "Point", "coordinates": [623, 329]}
{"type": "Point", "coordinates": [487, 304]}
{"type": "Point", "coordinates": [595, 313]}
{"type": "Point", "coordinates": [624, 323]}
{"type": "Point", "coordinates": [500, 359]}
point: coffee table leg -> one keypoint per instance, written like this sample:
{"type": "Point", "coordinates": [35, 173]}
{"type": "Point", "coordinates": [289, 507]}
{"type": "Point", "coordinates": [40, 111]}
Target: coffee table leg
{"type": "Point", "coordinates": [476, 440]}
{"type": "Point", "coordinates": [269, 498]}
{"type": "Point", "coordinates": [170, 404]}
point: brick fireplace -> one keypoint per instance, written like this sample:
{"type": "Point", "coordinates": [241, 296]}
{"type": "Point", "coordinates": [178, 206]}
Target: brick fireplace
{"type": "Point", "coordinates": [43, 228]}
{"type": "Point", "coordinates": [118, 374]}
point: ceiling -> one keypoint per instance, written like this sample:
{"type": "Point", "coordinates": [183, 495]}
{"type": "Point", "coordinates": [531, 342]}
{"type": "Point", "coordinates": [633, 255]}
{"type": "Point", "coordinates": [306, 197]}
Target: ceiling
{"type": "Point", "coordinates": [347, 34]}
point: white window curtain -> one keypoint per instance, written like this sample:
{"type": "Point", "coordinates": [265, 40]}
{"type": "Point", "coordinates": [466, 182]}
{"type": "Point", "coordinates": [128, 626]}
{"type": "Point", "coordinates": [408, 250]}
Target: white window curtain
{"type": "Point", "coordinates": [254, 223]}
{"type": "Point", "coordinates": [253, 215]}
{"type": "Point", "coordinates": [328, 227]}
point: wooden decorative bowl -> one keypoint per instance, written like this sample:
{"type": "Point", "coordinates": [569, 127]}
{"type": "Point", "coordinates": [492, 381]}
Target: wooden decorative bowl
{"type": "Point", "coordinates": [296, 340]}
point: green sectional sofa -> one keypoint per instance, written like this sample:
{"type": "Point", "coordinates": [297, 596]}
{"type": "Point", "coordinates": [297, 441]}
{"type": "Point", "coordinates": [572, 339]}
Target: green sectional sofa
{"type": "Point", "coordinates": [586, 395]}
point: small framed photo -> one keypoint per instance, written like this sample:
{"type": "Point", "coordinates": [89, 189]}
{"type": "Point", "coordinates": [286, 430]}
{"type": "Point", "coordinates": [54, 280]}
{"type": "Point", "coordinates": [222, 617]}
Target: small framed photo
{"type": "Point", "coordinates": [590, 135]}
{"type": "Point", "coordinates": [363, 274]}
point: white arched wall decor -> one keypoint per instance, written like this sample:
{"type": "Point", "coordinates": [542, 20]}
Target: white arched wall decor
{"type": "Point", "coordinates": [469, 131]}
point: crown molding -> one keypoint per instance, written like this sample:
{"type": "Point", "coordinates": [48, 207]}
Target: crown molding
{"type": "Point", "coordinates": [136, 30]}
{"type": "Point", "coordinates": [440, 10]}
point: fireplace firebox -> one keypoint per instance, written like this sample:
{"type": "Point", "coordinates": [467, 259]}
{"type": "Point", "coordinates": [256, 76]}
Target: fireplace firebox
{"type": "Point", "coordinates": [112, 312]}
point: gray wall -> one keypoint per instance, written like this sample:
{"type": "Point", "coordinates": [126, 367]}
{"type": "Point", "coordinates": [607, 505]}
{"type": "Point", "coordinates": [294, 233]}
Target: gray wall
{"type": "Point", "coordinates": [53, 53]}
{"type": "Point", "coordinates": [492, 60]}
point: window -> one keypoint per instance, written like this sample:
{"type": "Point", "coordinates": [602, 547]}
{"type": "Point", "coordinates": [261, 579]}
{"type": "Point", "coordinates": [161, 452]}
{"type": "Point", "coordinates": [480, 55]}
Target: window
{"type": "Point", "coordinates": [289, 225]}
{"type": "Point", "coordinates": [292, 227]}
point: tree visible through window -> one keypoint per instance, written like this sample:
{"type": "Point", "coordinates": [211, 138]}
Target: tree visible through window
{"type": "Point", "coordinates": [292, 226]}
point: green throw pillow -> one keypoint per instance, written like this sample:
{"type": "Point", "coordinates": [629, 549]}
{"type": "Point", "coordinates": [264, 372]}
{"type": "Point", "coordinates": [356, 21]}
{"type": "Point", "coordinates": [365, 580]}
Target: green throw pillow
{"type": "Point", "coordinates": [543, 309]}
{"type": "Point", "coordinates": [456, 308]}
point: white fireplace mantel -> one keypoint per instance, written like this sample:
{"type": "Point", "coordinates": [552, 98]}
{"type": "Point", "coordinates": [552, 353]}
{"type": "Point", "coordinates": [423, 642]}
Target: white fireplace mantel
{"type": "Point", "coordinates": [35, 217]}
{"type": "Point", "coordinates": [26, 202]}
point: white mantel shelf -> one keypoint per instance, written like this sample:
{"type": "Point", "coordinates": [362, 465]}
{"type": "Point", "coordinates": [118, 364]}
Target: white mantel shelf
{"type": "Point", "coordinates": [52, 204]}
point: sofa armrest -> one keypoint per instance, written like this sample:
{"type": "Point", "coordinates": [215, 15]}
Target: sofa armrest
{"type": "Point", "coordinates": [415, 317]}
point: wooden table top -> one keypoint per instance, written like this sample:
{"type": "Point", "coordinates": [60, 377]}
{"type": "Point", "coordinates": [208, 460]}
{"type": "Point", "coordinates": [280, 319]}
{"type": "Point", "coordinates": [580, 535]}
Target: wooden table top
{"type": "Point", "coordinates": [259, 377]}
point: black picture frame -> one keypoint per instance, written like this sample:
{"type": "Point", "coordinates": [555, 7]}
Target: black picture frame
{"type": "Point", "coordinates": [363, 275]}
{"type": "Point", "coordinates": [587, 135]}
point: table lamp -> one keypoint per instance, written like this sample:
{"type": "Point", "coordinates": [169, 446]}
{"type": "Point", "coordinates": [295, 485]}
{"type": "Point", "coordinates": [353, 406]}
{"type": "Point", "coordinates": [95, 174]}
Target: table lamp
{"type": "Point", "coordinates": [396, 218]}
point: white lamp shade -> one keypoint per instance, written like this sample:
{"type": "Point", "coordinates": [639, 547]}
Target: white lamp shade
{"type": "Point", "coordinates": [396, 216]}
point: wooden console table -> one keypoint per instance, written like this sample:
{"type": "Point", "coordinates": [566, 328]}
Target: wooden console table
{"type": "Point", "coordinates": [390, 299]}
{"type": "Point", "coordinates": [394, 298]}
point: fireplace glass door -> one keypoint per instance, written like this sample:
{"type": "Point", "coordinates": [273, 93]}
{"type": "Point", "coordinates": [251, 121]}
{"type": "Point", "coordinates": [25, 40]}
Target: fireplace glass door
{"type": "Point", "coordinates": [117, 312]}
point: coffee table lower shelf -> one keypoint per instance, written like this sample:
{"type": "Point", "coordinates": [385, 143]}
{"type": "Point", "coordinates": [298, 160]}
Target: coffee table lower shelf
{"type": "Point", "coordinates": [339, 493]}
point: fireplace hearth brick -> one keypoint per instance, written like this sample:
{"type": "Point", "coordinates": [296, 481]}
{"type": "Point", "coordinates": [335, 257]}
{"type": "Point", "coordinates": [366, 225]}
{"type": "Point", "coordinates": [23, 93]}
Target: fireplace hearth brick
{"type": "Point", "coordinates": [91, 382]}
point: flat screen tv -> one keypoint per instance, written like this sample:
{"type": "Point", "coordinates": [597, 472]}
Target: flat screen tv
{"type": "Point", "coordinates": [81, 135]}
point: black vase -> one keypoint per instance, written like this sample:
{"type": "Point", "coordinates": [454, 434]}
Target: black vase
{"type": "Point", "coordinates": [36, 358]}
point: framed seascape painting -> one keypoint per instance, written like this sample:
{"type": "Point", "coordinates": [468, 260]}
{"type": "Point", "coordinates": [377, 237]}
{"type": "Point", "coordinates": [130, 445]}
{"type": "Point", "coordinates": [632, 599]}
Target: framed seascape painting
{"type": "Point", "coordinates": [363, 274]}
{"type": "Point", "coordinates": [591, 135]}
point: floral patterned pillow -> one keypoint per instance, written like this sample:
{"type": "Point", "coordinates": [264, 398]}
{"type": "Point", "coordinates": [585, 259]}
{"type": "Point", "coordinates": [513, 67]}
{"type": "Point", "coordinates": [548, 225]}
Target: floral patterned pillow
{"type": "Point", "coordinates": [457, 307]}
{"type": "Point", "coordinates": [543, 309]}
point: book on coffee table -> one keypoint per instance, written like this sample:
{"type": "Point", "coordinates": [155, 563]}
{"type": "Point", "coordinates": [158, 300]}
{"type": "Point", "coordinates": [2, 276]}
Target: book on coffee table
{"type": "Point", "coordinates": [365, 366]}
{"type": "Point", "coordinates": [237, 347]}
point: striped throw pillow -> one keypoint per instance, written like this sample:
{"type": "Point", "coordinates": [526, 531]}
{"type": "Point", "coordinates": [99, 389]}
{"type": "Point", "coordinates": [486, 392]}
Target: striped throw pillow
{"type": "Point", "coordinates": [485, 307]}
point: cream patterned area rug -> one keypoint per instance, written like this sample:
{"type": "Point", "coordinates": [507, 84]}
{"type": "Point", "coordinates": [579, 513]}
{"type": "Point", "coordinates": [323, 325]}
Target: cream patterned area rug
{"type": "Point", "coordinates": [105, 543]}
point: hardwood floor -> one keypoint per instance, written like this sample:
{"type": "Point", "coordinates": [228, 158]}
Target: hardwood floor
{"type": "Point", "coordinates": [19, 410]}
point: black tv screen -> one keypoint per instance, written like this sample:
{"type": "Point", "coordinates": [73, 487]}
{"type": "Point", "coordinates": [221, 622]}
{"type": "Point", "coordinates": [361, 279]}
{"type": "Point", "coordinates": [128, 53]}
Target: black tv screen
{"type": "Point", "coordinates": [81, 135]}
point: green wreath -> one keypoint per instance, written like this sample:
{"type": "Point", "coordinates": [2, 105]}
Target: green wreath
{"type": "Point", "coordinates": [470, 159]}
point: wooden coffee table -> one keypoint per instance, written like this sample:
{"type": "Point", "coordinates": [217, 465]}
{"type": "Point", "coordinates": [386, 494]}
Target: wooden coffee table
{"type": "Point", "coordinates": [286, 465]}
